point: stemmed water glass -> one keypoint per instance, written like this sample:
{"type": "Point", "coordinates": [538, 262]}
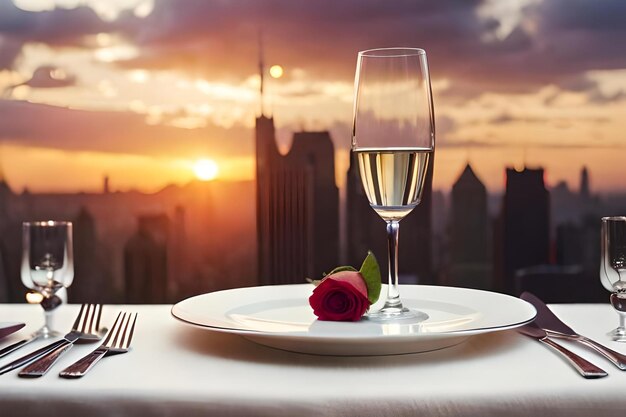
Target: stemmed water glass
{"type": "Point", "coordinates": [47, 264]}
{"type": "Point", "coordinates": [393, 138]}
{"type": "Point", "coordinates": [613, 269]}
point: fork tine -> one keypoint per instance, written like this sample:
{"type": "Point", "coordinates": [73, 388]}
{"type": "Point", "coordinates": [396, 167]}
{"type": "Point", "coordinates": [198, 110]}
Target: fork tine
{"type": "Point", "coordinates": [88, 314]}
{"type": "Point", "coordinates": [97, 310]}
{"type": "Point", "coordinates": [113, 330]}
{"type": "Point", "coordinates": [80, 314]}
{"type": "Point", "coordinates": [120, 343]}
{"type": "Point", "coordinates": [130, 335]}
{"type": "Point", "coordinates": [98, 318]}
{"type": "Point", "coordinates": [126, 339]}
{"type": "Point", "coordinates": [119, 330]}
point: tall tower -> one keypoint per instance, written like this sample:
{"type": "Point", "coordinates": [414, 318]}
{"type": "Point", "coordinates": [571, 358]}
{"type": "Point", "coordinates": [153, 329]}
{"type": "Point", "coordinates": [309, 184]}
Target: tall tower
{"type": "Point", "coordinates": [584, 184]}
{"type": "Point", "coordinates": [145, 261]}
{"type": "Point", "coordinates": [525, 223]}
{"type": "Point", "coordinates": [297, 204]}
{"type": "Point", "coordinates": [469, 226]}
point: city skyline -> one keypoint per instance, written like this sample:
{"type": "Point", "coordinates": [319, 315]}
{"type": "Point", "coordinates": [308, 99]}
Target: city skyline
{"type": "Point", "coordinates": [141, 90]}
{"type": "Point", "coordinates": [136, 247]}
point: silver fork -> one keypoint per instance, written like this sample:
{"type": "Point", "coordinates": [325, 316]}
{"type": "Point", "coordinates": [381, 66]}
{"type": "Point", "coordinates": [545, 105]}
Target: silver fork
{"type": "Point", "coordinates": [117, 341]}
{"type": "Point", "coordinates": [88, 314]}
{"type": "Point", "coordinates": [89, 326]}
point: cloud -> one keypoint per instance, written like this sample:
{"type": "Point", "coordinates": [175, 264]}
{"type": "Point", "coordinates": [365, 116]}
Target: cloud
{"type": "Point", "coordinates": [46, 76]}
{"type": "Point", "coordinates": [219, 39]}
{"type": "Point", "coordinates": [9, 51]}
{"type": "Point", "coordinates": [506, 118]}
{"type": "Point", "coordinates": [59, 27]}
{"type": "Point", "coordinates": [116, 132]}
{"type": "Point", "coordinates": [553, 40]}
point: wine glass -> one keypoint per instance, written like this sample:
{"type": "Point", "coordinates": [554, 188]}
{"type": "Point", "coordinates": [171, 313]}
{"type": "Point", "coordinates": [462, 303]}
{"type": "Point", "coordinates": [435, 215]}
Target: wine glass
{"type": "Point", "coordinates": [393, 137]}
{"type": "Point", "coordinates": [47, 264]}
{"type": "Point", "coordinates": [613, 269]}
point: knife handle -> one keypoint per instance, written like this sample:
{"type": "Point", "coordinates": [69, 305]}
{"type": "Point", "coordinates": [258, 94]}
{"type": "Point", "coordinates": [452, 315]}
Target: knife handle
{"type": "Point", "coordinates": [25, 360]}
{"type": "Point", "coordinates": [43, 364]}
{"type": "Point", "coordinates": [15, 346]}
{"type": "Point", "coordinates": [618, 359]}
{"type": "Point", "coordinates": [583, 366]}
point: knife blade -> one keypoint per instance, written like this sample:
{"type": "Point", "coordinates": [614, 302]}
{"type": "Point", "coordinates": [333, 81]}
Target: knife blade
{"type": "Point", "coordinates": [582, 365]}
{"type": "Point", "coordinates": [547, 320]}
{"type": "Point", "coordinates": [8, 328]}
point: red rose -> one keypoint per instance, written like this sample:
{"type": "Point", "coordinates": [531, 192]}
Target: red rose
{"type": "Point", "coordinates": [340, 297]}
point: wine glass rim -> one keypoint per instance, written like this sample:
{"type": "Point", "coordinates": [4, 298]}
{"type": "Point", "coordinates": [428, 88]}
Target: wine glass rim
{"type": "Point", "coordinates": [47, 223]}
{"type": "Point", "coordinates": [614, 218]}
{"type": "Point", "coordinates": [396, 52]}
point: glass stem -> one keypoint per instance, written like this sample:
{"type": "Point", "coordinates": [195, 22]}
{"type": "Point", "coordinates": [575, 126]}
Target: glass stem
{"type": "Point", "coordinates": [393, 294]}
{"type": "Point", "coordinates": [48, 323]}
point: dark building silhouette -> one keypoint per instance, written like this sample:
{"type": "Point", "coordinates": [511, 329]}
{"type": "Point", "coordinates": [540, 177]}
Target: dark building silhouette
{"type": "Point", "coordinates": [585, 194]}
{"type": "Point", "coordinates": [470, 250]}
{"type": "Point", "coordinates": [569, 244]}
{"type": "Point", "coordinates": [91, 272]}
{"type": "Point", "coordinates": [11, 287]}
{"type": "Point", "coordinates": [366, 231]}
{"type": "Point", "coordinates": [525, 224]}
{"type": "Point", "coordinates": [145, 261]}
{"type": "Point", "coordinates": [105, 185]}
{"type": "Point", "coordinates": [297, 206]}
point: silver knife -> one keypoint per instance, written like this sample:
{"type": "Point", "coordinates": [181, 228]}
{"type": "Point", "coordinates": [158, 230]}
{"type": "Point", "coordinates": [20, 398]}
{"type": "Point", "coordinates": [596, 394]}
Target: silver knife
{"type": "Point", "coordinates": [8, 328]}
{"type": "Point", "coordinates": [548, 321]}
{"type": "Point", "coordinates": [583, 366]}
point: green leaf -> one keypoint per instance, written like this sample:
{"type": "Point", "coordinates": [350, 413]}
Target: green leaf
{"type": "Point", "coordinates": [315, 282]}
{"type": "Point", "coordinates": [341, 269]}
{"type": "Point", "coordinates": [371, 274]}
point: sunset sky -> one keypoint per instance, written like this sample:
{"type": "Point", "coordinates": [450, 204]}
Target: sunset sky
{"type": "Point", "coordinates": [141, 90]}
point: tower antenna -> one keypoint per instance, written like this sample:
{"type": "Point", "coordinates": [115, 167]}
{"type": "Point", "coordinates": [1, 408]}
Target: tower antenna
{"type": "Point", "coordinates": [261, 71]}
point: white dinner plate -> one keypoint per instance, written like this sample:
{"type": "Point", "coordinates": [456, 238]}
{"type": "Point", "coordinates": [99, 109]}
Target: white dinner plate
{"type": "Point", "coordinates": [280, 316]}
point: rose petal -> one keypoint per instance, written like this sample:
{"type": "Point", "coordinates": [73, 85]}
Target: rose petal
{"type": "Point", "coordinates": [339, 299]}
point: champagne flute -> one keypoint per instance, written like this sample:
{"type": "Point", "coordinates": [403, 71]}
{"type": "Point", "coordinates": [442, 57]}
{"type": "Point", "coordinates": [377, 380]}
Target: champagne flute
{"type": "Point", "coordinates": [613, 269]}
{"type": "Point", "coordinates": [393, 137]}
{"type": "Point", "coordinates": [47, 264]}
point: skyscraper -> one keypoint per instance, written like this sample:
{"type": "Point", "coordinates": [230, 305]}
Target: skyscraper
{"type": "Point", "coordinates": [145, 261]}
{"type": "Point", "coordinates": [525, 224]}
{"type": "Point", "coordinates": [297, 206]}
{"type": "Point", "coordinates": [585, 194]}
{"type": "Point", "coordinates": [92, 279]}
{"type": "Point", "coordinates": [469, 231]}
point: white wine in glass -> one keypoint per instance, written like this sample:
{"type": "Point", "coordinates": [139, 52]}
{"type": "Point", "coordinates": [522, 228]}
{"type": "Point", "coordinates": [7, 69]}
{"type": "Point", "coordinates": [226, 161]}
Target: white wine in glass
{"type": "Point", "coordinates": [393, 138]}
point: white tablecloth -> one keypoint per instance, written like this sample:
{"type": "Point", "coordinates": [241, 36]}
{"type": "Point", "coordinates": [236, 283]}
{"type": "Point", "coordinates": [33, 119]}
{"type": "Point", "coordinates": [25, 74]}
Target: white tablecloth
{"type": "Point", "coordinates": [177, 370]}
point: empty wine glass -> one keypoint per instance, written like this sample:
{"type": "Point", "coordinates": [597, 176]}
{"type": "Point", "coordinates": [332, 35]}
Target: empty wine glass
{"type": "Point", "coordinates": [613, 269]}
{"type": "Point", "coordinates": [393, 138]}
{"type": "Point", "coordinates": [47, 264]}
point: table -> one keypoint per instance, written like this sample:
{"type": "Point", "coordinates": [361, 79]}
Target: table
{"type": "Point", "coordinates": [178, 370]}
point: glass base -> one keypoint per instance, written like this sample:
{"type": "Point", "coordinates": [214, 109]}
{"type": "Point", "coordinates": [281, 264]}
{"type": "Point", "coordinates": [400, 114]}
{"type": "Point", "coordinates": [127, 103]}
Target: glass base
{"type": "Point", "coordinates": [46, 333]}
{"type": "Point", "coordinates": [406, 315]}
{"type": "Point", "coordinates": [618, 335]}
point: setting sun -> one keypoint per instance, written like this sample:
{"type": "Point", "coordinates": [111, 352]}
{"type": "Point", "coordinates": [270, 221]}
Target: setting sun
{"type": "Point", "coordinates": [205, 169]}
{"type": "Point", "coordinates": [276, 71]}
